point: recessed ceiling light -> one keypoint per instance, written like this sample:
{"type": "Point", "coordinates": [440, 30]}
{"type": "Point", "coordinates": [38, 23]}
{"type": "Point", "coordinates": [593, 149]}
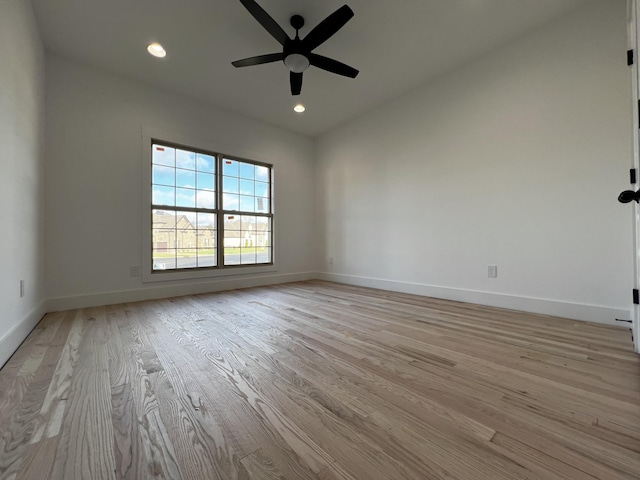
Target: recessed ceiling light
{"type": "Point", "coordinates": [299, 108]}
{"type": "Point", "coordinates": [157, 50]}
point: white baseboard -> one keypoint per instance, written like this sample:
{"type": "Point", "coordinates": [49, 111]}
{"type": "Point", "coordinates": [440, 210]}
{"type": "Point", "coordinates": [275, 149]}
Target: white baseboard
{"type": "Point", "coordinates": [575, 311]}
{"type": "Point", "coordinates": [11, 340]}
{"type": "Point", "coordinates": [166, 291]}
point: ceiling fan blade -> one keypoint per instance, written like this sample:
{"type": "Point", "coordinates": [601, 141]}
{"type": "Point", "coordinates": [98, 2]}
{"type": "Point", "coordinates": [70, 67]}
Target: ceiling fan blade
{"type": "Point", "coordinates": [327, 27]}
{"type": "Point", "coordinates": [333, 66]}
{"type": "Point", "coordinates": [296, 83]}
{"type": "Point", "coordinates": [260, 59]}
{"type": "Point", "coordinates": [264, 19]}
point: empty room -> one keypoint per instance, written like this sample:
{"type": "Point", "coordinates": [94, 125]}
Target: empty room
{"type": "Point", "coordinates": [291, 239]}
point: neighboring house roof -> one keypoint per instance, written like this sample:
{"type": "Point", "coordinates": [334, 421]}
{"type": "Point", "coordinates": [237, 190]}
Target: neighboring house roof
{"type": "Point", "coordinates": [233, 228]}
{"type": "Point", "coordinates": [181, 222]}
{"type": "Point", "coordinates": [170, 222]}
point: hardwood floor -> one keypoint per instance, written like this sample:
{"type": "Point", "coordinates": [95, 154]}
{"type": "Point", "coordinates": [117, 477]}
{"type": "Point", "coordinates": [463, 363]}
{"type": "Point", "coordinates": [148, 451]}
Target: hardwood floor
{"type": "Point", "coordinates": [316, 380]}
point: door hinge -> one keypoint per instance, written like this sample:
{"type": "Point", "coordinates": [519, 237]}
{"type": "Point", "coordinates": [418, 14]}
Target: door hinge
{"type": "Point", "coordinates": [636, 297]}
{"type": "Point", "coordinates": [632, 176]}
{"type": "Point", "coordinates": [629, 57]}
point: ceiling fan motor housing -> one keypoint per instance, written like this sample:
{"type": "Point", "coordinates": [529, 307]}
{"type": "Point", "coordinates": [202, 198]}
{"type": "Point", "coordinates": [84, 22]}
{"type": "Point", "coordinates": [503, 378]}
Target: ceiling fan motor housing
{"type": "Point", "coordinates": [296, 57]}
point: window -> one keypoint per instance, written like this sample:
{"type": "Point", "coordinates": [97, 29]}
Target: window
{"type": "Point", "coordinates": [208, 211]}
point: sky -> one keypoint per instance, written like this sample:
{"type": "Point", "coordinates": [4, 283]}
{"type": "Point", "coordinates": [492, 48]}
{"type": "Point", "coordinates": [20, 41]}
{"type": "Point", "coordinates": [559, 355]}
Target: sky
{"type": "Point", "coordinates": [183, 178]}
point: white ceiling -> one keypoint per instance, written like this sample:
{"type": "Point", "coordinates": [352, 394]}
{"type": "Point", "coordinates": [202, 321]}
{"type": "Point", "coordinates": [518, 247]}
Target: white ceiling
{"type": "Point", "coordinates": [396, 44]}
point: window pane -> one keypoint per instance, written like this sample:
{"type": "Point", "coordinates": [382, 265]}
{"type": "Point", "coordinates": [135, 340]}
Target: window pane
{"type": "Point", "coordinates": [203, 240]}
{"type": "Point", "coordinates": [186, 258]}
{"type": "Point", "coordinates": [163, 219]}
{"type": "Point", "coordinates": [206, 199]}
{"type": "Point", "coordinates": [247, 222]}
{"type": "Point", "coordinates": [206, 181]}
{"type": "Point", "coordinates": [164, 260]}
{"type": "Point", "coordinates": [230, 167]}
{"type": "Point", "coordinates": [247, 187]}
{"type": "Point", "coordinates": [164, 249]}
{"type": "Point", "coordinates": [185, 159]}
{"type": "Point", "coordinates": [185, 178]}
{"type": "Point", "coordinates": [262, 205]}
{"type": "Point", "coordinates": [230, 201]}
{"type": "Point", "coordinates": [186, 220]}
{"type": "Point", "coordinates": [186, 239]}
{"type": "Point", "coordinates": [162, 155]}
{"type": "Point", "coordinates": [163, 175]}
{"type": "Point", "coordinates": [232, 222]}
{"type": "Point", "coordinates": [163, 196]}
{"type": "Point", "coordinates": [206, 163]}
{"type": "Point", "coordinates": [263, 255]}
{"type": "Point", "coordinates": [264, 223]}
{"type": "Point", "coordinates": [262, 189]}
{"type": "Point", "coordinates": [185, 197]}
{"type": "Point", "coordinates": [230, 185]}
{"type": "Point", "coordinates": [231, 256]}
{"type": "Point", "coordinates": [206, 239]}
{"type": "Point", "coordinates": [206, 225]}
{"type": "Point", "coordinates": [206, 221]}
{"type": "Point", "coordinates": [232, 239]}
{"type": "Point", "coordinates": [247, 170]}
{"type": "Point", "coordinates": [263, 229]}
{"type": "Point", "coordinates": [247, 203]}
{"type": "Point", "coordinates": [262, 173]}
{"type": "Point", "coordinates": [207, 258]}
{"type": "Point", "coordinates": [248, 255]}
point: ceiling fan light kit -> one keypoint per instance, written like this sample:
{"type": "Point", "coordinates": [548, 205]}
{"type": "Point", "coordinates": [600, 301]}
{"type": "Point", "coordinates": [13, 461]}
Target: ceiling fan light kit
{"type": "Point", "coordinates": [296, 53]}
{"type": "Point", "coordinates": [296, 62]}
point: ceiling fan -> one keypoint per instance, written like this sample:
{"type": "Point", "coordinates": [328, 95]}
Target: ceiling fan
{"type": "Point", "coordinates": [296, 53]}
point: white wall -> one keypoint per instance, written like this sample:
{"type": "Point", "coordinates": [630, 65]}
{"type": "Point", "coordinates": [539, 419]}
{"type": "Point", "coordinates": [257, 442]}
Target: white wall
{"type": "Point", "coordinates": [21, 174]}
{"type": "Point", "coordinates": [515, 159]}
{"type": "Point", "coordinates": [94, 184]}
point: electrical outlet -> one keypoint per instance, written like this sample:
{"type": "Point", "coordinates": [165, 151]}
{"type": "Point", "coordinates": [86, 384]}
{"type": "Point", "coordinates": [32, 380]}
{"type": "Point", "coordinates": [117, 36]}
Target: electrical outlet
{"type": "Point", "coordinates": [330, 260]}
{"type": "Point", "coordinates": [492, 271]}
{"type": "Point", "coordinates": [134, 271]}
{"type": "Point", "coordinates": [21, 288]}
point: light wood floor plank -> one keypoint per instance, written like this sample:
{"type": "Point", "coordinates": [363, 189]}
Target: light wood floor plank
{"type": "Point", "coordinates": [158, 458]}
{"type": "Point", "coordinates": [87, 452]}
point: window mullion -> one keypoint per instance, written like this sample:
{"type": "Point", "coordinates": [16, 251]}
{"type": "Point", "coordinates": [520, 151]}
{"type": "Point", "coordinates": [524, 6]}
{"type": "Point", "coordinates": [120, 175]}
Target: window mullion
{"type": "Point", "coordinates": [220, 216]}
{"type": "Point", "coordinates": [183, 209]}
